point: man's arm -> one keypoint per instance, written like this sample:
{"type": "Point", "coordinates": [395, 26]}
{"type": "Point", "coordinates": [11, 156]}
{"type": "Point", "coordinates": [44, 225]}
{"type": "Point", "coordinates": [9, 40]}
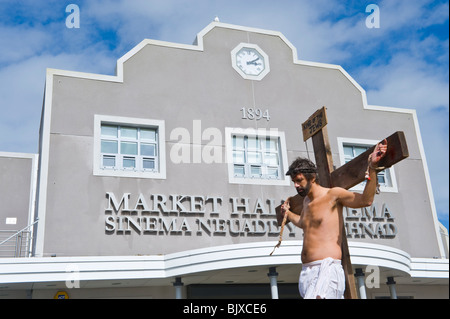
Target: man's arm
{"type": "Point", "coordinates": [356, 200]}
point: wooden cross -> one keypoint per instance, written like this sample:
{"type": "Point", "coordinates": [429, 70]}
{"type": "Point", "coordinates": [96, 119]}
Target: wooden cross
{"type": "Point", "coordinates": [345, 176]}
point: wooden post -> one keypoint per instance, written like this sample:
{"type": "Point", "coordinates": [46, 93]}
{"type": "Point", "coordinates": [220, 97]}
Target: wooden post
{"type": "Point", "coordinates": [324, 163]}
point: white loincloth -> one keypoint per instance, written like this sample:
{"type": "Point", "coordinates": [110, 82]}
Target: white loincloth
{"type": "Point", "coordinates": [323, 279]}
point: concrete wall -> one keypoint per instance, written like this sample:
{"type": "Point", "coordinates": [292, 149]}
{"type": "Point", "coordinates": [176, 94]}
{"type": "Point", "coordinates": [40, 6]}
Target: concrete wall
{"type": "Point", "coordinates": [16, 189]}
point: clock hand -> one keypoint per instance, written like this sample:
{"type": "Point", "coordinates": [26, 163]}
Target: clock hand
{"type": "Point", "coordinates": [253, 62]}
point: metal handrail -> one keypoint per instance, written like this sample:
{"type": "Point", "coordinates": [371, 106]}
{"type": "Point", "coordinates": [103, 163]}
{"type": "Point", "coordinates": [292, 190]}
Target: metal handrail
{"type": "Point", "coordinates": [19, 239]}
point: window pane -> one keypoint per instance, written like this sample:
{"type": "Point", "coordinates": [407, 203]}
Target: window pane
{"type": "Point", "coordinates": [272, 172]}
{"type": "Point", "coordinates": [239, 157]}
{"type": "Point", "coordinates": [109, 147]}
{"type": "Point", "coordinates": [348, 151]}
{"type": "Point", "coordinates": [254, 157]}
{"type": "Point", "coordinates": [148, 149]}
{"type": "Point", "coordinates": [381, 179]}
{"type": "Point", "coordinates": [238, 142]}
{"type": "Point", "coordinates": [271, 159]}
{"type": "Point", "coordinates": [271, 145]}
{"type": "Point", "coordinates": [148, 163]}
{"type": "Point", "coordinates": [109, 130]}
{"type": "Point", "coordinates": [387, 178]}
{"type": "Point", "coordinates": [148, 134]}
{"type": "Point", "coordinates": [129, 162]}
{"type": "Point", "coordinates": [239, 170]}
{"type": "Point", "coordinates": [359, 150]}
{"type": "Point", "coordinates": [253, 143]}
{"type": "Point", "coordinates": [109, 161]}
{"type": "Point", "coordinates": [128, 132]}
{"type": "Point", "coordinates": [255, 171]}
{"type": "Point", "coordinates": [128, 148]}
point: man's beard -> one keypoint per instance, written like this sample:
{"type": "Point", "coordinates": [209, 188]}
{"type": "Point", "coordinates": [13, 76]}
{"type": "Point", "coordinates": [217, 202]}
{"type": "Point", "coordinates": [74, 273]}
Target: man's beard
{"type": "Point", "coordinates": [304, 191]}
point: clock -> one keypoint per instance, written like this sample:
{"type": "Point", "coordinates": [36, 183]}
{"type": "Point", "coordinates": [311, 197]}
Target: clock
{"type": "Point", "coordinates": [250, 61]}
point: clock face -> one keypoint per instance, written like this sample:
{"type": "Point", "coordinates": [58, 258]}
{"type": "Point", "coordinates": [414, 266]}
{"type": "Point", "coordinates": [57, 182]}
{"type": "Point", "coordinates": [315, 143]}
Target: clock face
{"type": "Point", "coordinates": [250, 61]}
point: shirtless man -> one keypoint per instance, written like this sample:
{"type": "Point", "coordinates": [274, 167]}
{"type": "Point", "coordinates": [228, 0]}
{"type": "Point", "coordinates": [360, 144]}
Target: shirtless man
{"type": "Point", "coordinates": [321, 219]}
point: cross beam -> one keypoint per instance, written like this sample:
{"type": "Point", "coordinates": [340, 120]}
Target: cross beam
{"type": "Point", "coordinates": [352, 173]}
{"type": "Point", "coordinates": [345, 176]}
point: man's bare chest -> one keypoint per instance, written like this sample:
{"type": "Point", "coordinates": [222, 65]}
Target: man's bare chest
{"type": "Point", "coordinates": [316, 213]}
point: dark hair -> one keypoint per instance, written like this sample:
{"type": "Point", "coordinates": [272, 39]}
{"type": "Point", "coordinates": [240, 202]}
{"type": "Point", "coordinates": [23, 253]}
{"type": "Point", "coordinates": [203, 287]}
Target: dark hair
{"type": "Point", "coordinates": [304, 166]}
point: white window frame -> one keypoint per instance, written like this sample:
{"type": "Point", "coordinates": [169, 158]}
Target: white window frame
{"type": "Point", "coordinates": [365, 143]}
{"type": "Point", "coordinates": [261, 134]}
{"type": "Point", "coordinates": [160, 165]}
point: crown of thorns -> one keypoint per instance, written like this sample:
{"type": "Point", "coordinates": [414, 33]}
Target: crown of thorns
{"type": "Point", "coordinates": [301, 170]}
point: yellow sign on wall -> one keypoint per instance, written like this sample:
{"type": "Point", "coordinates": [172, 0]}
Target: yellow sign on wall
{"type": "Point", "coordinates": [61, 295]}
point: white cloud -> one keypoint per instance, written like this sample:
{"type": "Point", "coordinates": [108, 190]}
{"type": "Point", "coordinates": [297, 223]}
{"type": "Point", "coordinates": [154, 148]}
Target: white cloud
{"type": "Point", "coordinates": [22, 90]}
{"type": "Point", "coordinates": [405, 14]}
{"type": "Point", "coordinates": [21, 42]}
{"type": "Point", "coordinates": [406, 82]}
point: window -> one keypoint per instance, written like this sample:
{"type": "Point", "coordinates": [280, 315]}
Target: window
{"type": "Point", "coordinates": [351, 148]}
{"type": "Point", "coordinates": [256, 157]}
{"type": "Point", "coordinates": [129, 147]}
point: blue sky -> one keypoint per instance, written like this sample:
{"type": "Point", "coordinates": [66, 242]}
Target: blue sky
{"type": "Point", "coordinates": [404, 63]}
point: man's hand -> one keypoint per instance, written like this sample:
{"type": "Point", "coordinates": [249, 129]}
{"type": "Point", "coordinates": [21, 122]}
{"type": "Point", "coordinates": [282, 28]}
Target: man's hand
{"type": "Point", "coordinates": [285, 207]}
{"type": "Point", "coordinates": [284, 212]}
{"type": "Point", "coordinates": [378, 153]}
